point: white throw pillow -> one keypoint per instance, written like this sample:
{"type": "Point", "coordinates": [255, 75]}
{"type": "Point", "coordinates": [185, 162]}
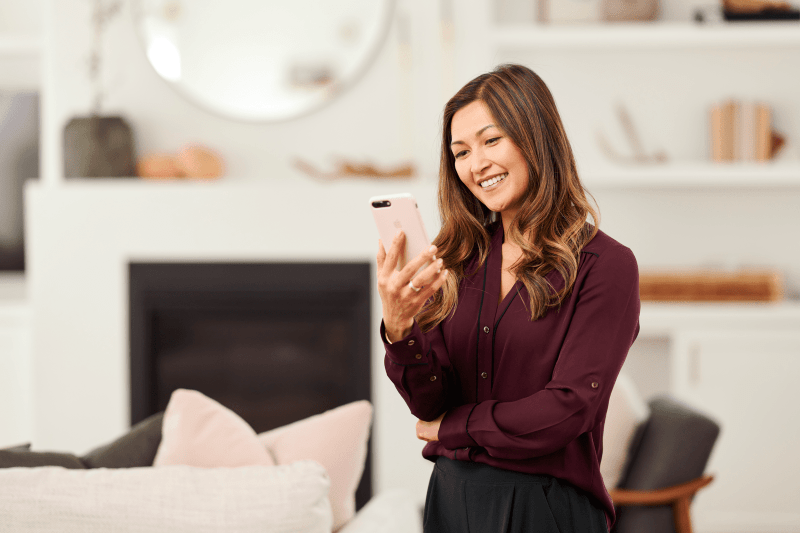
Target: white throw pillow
{"type": "Point", "coordinates": [278, 499]}
{"type": "Point", "coordinates": [337, 439]}
{"type": "Point", "coordinates": [199, 431]}
{"type": "Point", "coordinates": [626, 411]}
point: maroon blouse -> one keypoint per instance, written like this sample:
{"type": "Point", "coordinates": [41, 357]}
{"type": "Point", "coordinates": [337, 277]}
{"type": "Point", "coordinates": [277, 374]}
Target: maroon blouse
{"type": "Point", "coordinates": [520, 395]}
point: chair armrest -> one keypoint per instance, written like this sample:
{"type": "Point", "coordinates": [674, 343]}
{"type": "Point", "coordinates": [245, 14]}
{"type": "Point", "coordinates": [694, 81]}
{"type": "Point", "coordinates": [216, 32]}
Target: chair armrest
{"type": "Point", "coordinates": [391, 511]}
{"type": "Point", "coordinates": [664, 496]}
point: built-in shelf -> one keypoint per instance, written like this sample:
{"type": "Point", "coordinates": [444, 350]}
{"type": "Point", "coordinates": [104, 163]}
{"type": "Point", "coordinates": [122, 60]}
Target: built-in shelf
{"type": "Point", "coordinates": [666, 35]}
{"type": "Point", "coordinates": [20, 45]}
{"type": "Point", "coordinates": [695, 175]}
{"type": "Point", "coordinates": [664, 319]}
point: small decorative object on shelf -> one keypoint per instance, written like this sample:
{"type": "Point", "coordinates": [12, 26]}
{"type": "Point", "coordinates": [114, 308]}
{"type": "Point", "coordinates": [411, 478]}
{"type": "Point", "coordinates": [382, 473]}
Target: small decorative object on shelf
{"type": "Point", "coordinates": [569, 11]}
{"type": "Point", "coordinates": [711, 286]}
{"type": "Point", "coordinates": [99, 146]}
{"type": "Point", "coordinates": [192, 161]}
{"type": "Point", "coordinates": [639, 154]}
{"type": "Point", "coordinates": [346, 169]}
{"type": "Point", "coordinates": [749, 10]}
{"type": "Point", "coordinates": [742, 131]}
{"type": "Point", "coordinates": [630, 10]}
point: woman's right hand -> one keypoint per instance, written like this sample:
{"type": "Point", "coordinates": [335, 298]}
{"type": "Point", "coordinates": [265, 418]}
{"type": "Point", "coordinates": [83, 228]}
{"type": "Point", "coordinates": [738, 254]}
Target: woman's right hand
{"type": "Point", "coordinates": [400, 301]}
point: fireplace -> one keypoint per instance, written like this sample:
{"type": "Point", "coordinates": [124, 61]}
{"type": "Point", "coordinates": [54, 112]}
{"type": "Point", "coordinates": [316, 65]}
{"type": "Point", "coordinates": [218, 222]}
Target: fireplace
{"type": "Point", "coordinates": [274, 342]}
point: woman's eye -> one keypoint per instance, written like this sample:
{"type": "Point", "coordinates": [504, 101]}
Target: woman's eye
{"type": "Point", "coordinates": [493, 140]}
{"type": "Point", "coordinates": [460, 154]}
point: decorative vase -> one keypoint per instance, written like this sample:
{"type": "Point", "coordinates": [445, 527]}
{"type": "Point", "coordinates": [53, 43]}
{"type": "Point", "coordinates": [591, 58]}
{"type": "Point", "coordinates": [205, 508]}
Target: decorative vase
{"type": "Point", "coordinates": [98, 147]}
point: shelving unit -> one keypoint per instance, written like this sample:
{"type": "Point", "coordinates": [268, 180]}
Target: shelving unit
{"type": "Point", "coordinates": [19, 45]}
{"type": "Point", "coordinates": [19, 61]}
{"type": "Point", "coordinates": [696, 175]}
{"type": "Point", "coordinates": [662, 35]}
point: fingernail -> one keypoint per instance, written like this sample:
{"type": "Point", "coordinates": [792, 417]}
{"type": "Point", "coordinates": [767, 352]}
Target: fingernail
{"type": "Point", "coordinates": [432, 248]}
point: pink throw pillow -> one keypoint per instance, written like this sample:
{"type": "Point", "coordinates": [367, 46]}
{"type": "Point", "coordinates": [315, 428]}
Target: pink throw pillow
{"type": "Point", "coordinates": [198, 431]}
{"type": "Point", "coordinates": [337, 439]}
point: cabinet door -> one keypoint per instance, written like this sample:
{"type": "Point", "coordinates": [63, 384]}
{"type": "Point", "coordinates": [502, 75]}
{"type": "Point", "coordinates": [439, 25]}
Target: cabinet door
{"type": "Point", "coordinates": [748, 382]}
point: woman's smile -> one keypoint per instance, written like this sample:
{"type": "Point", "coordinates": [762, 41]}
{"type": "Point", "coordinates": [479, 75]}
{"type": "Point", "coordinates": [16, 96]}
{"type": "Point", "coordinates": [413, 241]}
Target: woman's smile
{"type": "Point", "coordinates": [493, 183]}
{"type": "Point", "coordinates": [487, 161]}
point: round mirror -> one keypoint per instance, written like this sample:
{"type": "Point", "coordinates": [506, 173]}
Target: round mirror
{"type": "Point", "coordinates": [261, 60]}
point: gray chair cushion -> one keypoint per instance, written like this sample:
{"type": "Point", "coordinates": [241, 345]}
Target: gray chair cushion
{"type": "Point", "coordinates": [136, 448]}
{"type": "Point", "coordinates": [673, 447]}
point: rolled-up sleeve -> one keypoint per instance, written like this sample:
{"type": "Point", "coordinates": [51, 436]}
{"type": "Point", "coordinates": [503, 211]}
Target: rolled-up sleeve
{"type": "Point", "coordinates": [419, 367]}
{"type": "Point", "coordinates": [604, 324]}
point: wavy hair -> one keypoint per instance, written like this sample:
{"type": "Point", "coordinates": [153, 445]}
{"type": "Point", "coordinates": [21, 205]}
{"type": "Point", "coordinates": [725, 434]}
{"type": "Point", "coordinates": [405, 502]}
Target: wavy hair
{"type": "Point", "coordinates": [550, 227]}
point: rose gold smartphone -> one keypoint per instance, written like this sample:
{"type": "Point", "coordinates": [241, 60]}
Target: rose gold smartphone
{"type": "Point", "coordinates": [393, 212]}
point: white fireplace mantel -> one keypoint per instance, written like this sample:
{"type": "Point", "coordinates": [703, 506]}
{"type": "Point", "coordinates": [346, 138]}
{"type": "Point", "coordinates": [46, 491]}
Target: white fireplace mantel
{"type": "Point", "coordinates": [82, 235]}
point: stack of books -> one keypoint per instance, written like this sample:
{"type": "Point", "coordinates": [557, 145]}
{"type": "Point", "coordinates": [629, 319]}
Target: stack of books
{"type": "Point", "coordinates": [741, 131]}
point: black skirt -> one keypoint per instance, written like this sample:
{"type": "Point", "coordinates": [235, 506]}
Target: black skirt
{"type": "Point", "coordinates": [467, 497]}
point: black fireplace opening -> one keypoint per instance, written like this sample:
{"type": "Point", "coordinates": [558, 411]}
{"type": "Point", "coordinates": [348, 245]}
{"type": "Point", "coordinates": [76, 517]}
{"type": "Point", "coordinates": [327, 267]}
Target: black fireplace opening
{"type": "Point", "coordinates": [273, 342]}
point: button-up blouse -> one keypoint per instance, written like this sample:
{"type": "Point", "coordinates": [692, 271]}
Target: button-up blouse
{"type": "Point", "coordinates": [529, 396]}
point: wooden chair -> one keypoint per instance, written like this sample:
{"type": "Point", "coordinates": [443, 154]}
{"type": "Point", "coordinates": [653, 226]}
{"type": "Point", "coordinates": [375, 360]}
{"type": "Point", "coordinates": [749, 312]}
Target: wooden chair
{"type": "Point", "coordinates": [665, 469]}
{"type": "Point", "coordinates": [678, 497]}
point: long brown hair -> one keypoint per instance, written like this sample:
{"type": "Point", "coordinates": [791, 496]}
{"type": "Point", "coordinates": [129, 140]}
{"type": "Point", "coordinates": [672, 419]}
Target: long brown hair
{"type": "Point", "coordinates": [550, 227]}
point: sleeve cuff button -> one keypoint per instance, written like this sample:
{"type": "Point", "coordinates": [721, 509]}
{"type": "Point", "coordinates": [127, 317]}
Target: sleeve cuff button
{"type": "Point", "coordinates": [433, 378]}
{"type": "Point", "coordinates": [595, 384]}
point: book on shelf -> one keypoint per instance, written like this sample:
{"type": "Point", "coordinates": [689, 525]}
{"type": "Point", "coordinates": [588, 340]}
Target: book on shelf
{"type": "Point", "coordinates": [741, 131]}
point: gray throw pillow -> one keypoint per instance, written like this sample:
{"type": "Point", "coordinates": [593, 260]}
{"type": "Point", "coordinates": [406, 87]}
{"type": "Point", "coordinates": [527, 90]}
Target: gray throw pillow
{"type": "Point", "coordinates": [20, 448]}
{"type": "Point", "coordinates": [27, 458]}
{"type": "Point", "coordinates": [136, 448]}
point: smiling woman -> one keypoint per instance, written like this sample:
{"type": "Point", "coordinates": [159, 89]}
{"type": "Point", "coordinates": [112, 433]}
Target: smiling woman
{"type": "Point", "coordinates": [509, 359]}
{"type": "Point", "coordinates": [487, 161]}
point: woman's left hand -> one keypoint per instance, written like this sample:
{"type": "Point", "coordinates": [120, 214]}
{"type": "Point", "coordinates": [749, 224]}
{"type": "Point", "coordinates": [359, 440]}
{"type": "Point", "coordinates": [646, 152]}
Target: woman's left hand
{"type": "Point", "coordinates": [429, 431]}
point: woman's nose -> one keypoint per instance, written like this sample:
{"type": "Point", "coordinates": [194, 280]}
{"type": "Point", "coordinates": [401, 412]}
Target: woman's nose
{"type": "Point", "coordinates": [479, 162]}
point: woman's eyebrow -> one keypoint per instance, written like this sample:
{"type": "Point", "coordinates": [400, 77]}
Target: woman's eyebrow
{"type": "Point", "coordinates": [477, 134]}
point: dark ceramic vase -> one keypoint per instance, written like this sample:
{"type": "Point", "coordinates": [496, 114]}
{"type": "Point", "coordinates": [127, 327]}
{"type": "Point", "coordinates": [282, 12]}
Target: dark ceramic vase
{"type": "Point", "coordinates": [98, 147]}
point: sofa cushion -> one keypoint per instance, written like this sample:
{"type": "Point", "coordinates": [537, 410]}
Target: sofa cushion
{"type": "Point", "coordinates": [626, 412]}
{"type": "Point", "coordinates": [136, 448]}
{"type": "Point", "coordinates": [198, 431]}
{"type": "Point", "coordinates": [337, 439]}
{"type": "Point", "coordinates": [174, 499]}
{"type": "Point", "coordinates": [27, 458]}
{"type": "Point", "coordinates": [674, 448]}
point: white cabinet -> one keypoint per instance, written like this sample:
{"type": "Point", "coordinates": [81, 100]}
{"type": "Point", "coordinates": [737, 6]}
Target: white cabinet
{"type": "Point", "coordinates": [748, 381]}
{"type": "Point", "coordinates": [16, 425]}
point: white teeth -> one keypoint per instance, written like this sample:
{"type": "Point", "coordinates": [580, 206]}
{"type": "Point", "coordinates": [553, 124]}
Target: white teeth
{"type": "Point", "coordinates": [496, 179]}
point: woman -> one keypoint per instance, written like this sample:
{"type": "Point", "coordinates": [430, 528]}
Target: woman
{"type": "Point", "coordinates": [508, 345]}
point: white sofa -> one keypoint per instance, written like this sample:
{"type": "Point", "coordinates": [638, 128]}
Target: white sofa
{"type": "Point", "coordinates": [289, 498]}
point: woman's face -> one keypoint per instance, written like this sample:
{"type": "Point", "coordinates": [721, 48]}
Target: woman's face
{"type": "Point", "coordinates": [487, 161]}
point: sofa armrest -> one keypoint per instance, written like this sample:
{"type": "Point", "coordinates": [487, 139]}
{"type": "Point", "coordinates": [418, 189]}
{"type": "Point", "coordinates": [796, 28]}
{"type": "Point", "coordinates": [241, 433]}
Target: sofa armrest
{"type": "Point", "coordinates": [391, 511]}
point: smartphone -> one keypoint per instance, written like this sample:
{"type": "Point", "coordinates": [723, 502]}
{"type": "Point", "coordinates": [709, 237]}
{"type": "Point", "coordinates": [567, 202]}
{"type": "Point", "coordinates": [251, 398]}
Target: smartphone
{"type": "Point", "coordinates": [394, 212]}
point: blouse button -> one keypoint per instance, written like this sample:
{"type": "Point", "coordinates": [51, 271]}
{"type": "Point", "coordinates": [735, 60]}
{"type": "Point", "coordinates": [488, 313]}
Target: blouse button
{"type": "Point", "coordinates": [484, 375]}
{"type": "Point", "coordinates": [595, 384]}
{"type": "Point", "coordinates": [411, 342]}
{"type": "Point", "coordinates": [486, 329]}
{"type": "Point", "coordinates": [433, 378]}
{"type": "Point", "coordinates": [418, 356]}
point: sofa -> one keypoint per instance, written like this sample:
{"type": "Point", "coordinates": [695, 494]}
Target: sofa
{"type": "Point", "coordinates": [198, 467]}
